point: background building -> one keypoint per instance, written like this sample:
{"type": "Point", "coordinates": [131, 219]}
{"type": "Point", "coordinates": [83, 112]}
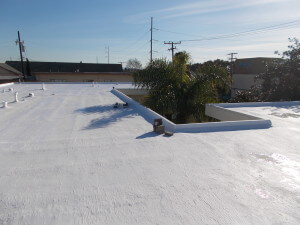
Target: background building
{"type": "Point", "coordinates": [8, 73]}
{"type": "Point", "coordinates": [245, 72]}
{"type": "Point", "coordinates": [73, 72]}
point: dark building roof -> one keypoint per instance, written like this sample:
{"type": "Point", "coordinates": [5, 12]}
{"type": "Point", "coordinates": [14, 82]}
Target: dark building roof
{"type": "Point", "coordinates": [9, 68]}
{"type": "Point", "coordinates": [66, 67]}
{"type": "Point", "coordinates": [252, 65]}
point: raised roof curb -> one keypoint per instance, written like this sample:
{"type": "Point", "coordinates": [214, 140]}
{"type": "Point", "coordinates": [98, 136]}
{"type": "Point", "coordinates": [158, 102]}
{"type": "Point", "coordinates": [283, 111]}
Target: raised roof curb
{"type": "Point", "coordinates": [241, 122]}
{"type": "Point", "coordinates": [146, 112]}
{"type": "Point", "coordinates": [5, 84]}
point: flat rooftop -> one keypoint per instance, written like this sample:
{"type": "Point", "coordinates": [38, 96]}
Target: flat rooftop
{"type": "Point", "coordinates": [68, 157]}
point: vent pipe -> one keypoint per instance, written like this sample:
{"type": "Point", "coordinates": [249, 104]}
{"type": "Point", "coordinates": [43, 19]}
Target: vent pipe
{"type": "Point", "coordinates": [16, 97]}
{"type": "Point", "coordinates": [4, 104]}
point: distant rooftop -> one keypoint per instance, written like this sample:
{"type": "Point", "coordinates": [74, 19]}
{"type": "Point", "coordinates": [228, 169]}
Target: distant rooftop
{"type": "Point", "coordinates": [66, 67]}
{"type": "Point", "coordinates": [9, 68]}
{"type": "Point", "coordinates": [252, 65]}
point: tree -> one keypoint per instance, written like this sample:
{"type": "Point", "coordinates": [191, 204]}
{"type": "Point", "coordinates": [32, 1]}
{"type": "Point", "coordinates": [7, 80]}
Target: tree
{"type": "Point", "coordinates": [133, 65]}
{"type": "Point", "coordinates": [252, 95]}
{"type": "Point", "coordinates": [210, 66]}
{"type": "Point", "coordinates": [217, 62]}
{"type": "Point", "coordinates": [281, 81]}
{"type": "Point", "coordinates": [176, 91]}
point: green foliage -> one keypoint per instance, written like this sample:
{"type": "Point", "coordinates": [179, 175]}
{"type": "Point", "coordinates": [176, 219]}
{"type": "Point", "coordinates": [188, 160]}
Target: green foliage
{"type": "Point", "coordinates": [221, 70]}
{"type": "Point", "coordinates": [174, 90]}
{"type": "Point", "coordinates": [281, 81]}
{"type": "Point", "coordinates": [133, 65]}
{"type": "Point", "coordinates": [282, 78]}
{"type": "Point", "coordinates": [252, 95]}
{"type": "Point", "coordinates": [218, 62]}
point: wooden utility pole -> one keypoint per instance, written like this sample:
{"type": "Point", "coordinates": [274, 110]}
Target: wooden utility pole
{"type": "Point", "coordinates": [232, 58]}
{"type": "Point", "coordinates": [21, 48]}
{"type": "Point", "coordinates": [151, 40]}
{"type": "Point", "coordinates": [172, 46]}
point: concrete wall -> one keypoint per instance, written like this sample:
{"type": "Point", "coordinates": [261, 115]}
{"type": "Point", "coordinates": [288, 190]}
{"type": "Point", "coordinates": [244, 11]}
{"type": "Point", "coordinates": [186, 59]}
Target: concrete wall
{"type": "Point", "coordinates": [133, 91]}
{"type": "Point", "coordinates": [256, 104]}
{"type": "Point", "coordinates": [136, 94]}
{"type": "Point", "coordinates": [224, 114]}
{"type": "Point", "coordinates": [222, 126]}
{"type": "Point", "coordinates": [83, 77]}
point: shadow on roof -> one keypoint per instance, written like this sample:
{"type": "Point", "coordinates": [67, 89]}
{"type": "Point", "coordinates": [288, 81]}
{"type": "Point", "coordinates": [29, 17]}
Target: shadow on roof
{"type": "Point", "coordinates": [112, 115]}
{"type": "Point", "coordinates": [148, 135]}
{"type": "Point", "coordinates": [294, 108]}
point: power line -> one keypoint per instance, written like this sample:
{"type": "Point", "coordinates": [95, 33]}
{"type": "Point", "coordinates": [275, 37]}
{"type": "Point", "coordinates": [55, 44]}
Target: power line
{"type": "Point", "coordinates": [249, 32]}
{"type": "Point", "coordinates": [222, 49]}
{"type": "Point", "coordinates": [274, 27]}
{"type": "Point", "coordinates": [138, 48]}
{"type": "Point", "coordinates": [134, 43]}
{"type": "Point", "coordinates": [174, 32]}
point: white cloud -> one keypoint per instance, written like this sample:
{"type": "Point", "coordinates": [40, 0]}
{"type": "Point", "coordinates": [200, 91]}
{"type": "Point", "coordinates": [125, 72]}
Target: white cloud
{"type": "Point", "coordinates": [202, 7]}
{"type": "Point", "coordinates": [257, 46]}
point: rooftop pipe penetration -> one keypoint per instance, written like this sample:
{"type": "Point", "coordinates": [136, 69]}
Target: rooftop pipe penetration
{"type": "Point", "coordinates": [5, 104]}
{"type": "Point", "coordinates": [16, 97]}
{"type": "Point", "coordinates": [43, 87]}
{"type": "Point", "coordinates": [31, 95]}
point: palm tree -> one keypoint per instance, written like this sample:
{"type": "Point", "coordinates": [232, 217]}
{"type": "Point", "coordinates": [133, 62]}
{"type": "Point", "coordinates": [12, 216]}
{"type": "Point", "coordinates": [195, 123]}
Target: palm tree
{"type": "Point", "coordinates": [176, 91]}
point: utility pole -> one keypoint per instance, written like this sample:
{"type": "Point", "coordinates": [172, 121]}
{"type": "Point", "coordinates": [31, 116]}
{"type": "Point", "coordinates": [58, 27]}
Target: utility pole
{"type": "Point", "coordinates": [172, 46]}
{"type": "Point", "coordinates": [232, 58]}
{"type": "Point", "coordinates": [107, 51]}
{"type": "Point", "coordinates": [22, 49]}
{"type": "Point", "coordinates": [151, 41]}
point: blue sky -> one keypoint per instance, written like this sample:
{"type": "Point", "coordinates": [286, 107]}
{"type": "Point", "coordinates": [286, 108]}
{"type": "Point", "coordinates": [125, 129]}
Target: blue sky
{"type": "Point", "coordinates": [76, 30]}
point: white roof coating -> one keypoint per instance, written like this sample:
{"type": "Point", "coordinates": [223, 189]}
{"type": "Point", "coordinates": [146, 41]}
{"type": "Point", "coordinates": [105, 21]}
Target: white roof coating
{"type": "Point", "coordinates": [68, 157]}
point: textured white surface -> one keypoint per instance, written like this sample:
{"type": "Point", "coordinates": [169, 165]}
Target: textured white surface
{"type": "Point", "coordinates": [68, 157]}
